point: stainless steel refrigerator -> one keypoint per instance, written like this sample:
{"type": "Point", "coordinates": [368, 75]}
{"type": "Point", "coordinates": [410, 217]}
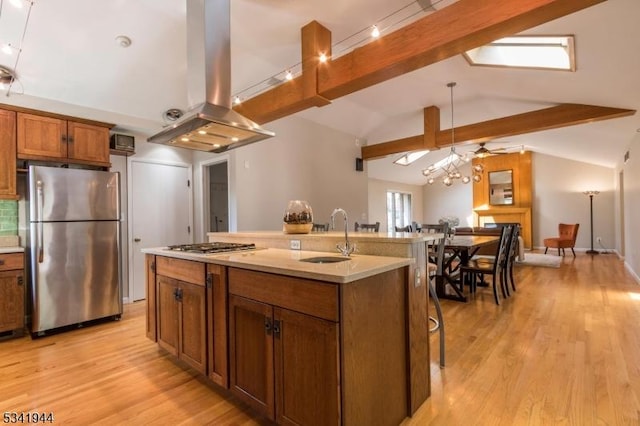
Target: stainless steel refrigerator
{"type": "Point", "coordinates": [74, 246]}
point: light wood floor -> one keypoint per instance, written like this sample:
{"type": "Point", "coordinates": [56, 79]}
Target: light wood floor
{"type": "Point", "coordinates": [564, 350]}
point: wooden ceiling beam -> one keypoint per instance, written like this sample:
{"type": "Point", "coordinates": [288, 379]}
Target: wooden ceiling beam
{"type": "Point", "coordinates": [555, 117]}
{"type": "Point", "coordinates": [562, 115]}
{"type": "Point", "coordinates": [412, 143]}
{"type": "Point", "coordinates": [464, 25]}
{"type": "Point", "coordinates": [301, 92]}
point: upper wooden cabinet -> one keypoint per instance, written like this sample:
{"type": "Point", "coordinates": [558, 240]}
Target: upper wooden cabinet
{"type": "Point", "coordinates": [7, 155]}
{"type": "Point", "coordinates": [53, 139]}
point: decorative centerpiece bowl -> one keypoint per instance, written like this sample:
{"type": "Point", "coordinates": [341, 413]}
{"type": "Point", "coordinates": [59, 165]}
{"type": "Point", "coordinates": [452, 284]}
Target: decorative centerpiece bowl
{"type": "Point", "coordinates": [298, 218]}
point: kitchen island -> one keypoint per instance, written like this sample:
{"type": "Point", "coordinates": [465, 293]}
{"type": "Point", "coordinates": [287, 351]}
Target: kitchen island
{"type": "Point", "coordinates": [303, 343]}
{"type": "Point", "coordinates": [396, 244]}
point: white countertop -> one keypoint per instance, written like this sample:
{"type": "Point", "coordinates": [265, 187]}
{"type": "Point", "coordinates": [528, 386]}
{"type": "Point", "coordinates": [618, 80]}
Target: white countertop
{"type": "Point", "coordinates": [387, 237]}
{"type": "Point", "coordinates": [11, 249]}
{"type": "Point", "coordinates": [287, 262]}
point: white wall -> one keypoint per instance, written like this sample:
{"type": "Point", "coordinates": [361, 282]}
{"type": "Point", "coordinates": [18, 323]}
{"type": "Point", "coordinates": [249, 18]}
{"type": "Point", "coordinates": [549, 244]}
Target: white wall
{"type": "Point", "coordinates": [378, 201]}
{"type": "Point", "coordinates": [455, 200]}
{"type": "Point", "coordinates": [631, 172]}
{"type": "Point", "coordinates": [304, 161]}
{"type": "Point", "coordinates": [557, 197]}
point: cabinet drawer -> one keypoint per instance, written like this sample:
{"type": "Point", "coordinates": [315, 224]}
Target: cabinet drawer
{"type": "Point", "coordinates": [183, 270]}
{"type": "Point", "coordinates": [305, 296]}
{"type": "Point", "coordinates": [9, 261]}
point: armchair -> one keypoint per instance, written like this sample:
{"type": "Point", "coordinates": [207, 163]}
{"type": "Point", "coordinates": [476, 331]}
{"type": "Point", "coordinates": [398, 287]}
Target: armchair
{"type": "Point", "coordinates": [566, 239]}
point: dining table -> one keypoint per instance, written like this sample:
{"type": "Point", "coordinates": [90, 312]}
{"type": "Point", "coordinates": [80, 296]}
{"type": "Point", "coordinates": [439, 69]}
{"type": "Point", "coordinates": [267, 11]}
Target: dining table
{"type": "Point", "coordinates": [459, 249]}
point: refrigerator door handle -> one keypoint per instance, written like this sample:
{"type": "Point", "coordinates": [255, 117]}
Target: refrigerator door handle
{"type": "Point", "coordinates": [39, 219]}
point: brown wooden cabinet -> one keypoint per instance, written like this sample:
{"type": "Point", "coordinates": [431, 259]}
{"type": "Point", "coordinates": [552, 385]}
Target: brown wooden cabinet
{"type": "Point", "coordinates": [181, 310]}
{"type": "Point", "coordinates": [48, 138]}
{"type": "Point", "coordinates": [299, 351]}
{"type": "Point", "coordinates": [283, 363]}
{"type": "Point", "coordinates": [12, 294]}
{"type": "Point", "coordinates": [8, 155]}
{"type": "Point", "coordinates": [150, 263]}
{"type": "Point", "coordinates": [218, 368]}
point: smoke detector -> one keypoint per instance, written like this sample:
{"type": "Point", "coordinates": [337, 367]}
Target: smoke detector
{"type": "Point", "coordinates": [123, 41]}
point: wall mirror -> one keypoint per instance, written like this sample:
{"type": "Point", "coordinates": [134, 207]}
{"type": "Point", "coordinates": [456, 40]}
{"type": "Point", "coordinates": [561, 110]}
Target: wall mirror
{"type": "Point", "coordinates": [501, 188]}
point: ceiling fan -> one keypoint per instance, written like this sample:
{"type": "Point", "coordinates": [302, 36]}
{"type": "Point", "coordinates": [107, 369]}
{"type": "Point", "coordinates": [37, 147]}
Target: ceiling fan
{"type": "Point", "coordinates": [482, 151]}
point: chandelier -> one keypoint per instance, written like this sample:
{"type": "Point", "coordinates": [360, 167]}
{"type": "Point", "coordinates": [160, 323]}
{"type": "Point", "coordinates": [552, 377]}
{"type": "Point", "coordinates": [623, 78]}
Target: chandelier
{"type": "Point", "coordinates": [449, 168]}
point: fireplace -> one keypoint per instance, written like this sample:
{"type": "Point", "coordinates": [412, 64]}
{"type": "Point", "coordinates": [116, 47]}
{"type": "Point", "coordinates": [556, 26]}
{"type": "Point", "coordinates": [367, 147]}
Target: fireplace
{"type": "Point", "coordinates": [521, 215]}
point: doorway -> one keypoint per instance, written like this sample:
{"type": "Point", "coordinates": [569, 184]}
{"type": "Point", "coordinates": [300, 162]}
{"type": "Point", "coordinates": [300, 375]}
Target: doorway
{"type": "Point", "coordinates": [161, 213]}
{"type": "Point", "coordinates": [217, 204]}
{"type": "Point", "coordinates": [218, 197]}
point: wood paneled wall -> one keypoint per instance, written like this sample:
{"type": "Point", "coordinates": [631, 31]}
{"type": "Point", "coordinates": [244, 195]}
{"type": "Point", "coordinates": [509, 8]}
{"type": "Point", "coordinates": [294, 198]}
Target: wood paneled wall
{"type": "Point", "coordinates": [520, 210]}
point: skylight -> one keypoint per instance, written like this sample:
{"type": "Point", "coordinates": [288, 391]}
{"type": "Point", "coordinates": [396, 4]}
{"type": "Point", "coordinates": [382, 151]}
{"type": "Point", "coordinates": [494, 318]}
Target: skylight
{"type": "Point", "coordinates": [533, 52]}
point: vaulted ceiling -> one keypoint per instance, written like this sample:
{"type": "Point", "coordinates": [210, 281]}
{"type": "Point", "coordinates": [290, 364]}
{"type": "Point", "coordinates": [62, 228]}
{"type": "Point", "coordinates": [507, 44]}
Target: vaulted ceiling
{"type": "Point", "coordinates": [71, 63]}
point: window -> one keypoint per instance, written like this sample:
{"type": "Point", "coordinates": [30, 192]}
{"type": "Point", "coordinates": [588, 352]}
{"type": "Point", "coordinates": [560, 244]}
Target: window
{"type": "Point", "coordinates": [533, 52]}
{"type": "Point", "coordinates": [398, 209]}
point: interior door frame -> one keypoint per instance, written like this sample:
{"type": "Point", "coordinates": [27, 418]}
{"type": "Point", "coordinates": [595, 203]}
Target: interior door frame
{"type": "Point", "coordinates": [204, 193]}
{"type": "Point", "coordinates": [130, 247]}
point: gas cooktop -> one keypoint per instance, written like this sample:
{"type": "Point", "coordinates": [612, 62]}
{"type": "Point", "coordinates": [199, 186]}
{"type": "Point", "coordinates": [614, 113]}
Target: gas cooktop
{"type": "Point", "coordinates": [213, 247]}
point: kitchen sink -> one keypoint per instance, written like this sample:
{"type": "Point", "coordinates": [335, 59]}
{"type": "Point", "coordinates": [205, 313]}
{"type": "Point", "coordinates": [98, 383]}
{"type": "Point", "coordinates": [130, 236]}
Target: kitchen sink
{"type": "Point", "coordinates": [325, 259]}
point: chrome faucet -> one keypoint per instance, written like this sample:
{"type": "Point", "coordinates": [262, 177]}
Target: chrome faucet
{"type": "Point", "coordinates": [347, 249]}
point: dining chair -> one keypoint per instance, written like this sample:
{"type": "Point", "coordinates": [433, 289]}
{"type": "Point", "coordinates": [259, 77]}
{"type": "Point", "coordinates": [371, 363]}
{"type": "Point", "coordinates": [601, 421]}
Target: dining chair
{"type": "Point", "coordinates": [435, 268]}
{"type": "Point", "coordinates": [367, 227]}
{"type": "Point", "coordinates": [320, 227]}
{"type": "Point", "coordinates": [403, 228]}
{"type": "Point", "coordinates": [478, 268]}
{"type": "Point", "coordinates": [436, 228]}
{"type": "Point", "coordinates": [514, 246]}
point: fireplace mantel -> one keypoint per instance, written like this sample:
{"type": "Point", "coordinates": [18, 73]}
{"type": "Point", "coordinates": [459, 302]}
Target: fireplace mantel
{"type": "Point", "coordinates": [521, 215]}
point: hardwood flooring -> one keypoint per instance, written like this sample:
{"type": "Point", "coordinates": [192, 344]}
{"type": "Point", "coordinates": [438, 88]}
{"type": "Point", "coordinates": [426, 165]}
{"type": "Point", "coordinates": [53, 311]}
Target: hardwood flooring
{"type": "Point", "coordinates": [565, 349]}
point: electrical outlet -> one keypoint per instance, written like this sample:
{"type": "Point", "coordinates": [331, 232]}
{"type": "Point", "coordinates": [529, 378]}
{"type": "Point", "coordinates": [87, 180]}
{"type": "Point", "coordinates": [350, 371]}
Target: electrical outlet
{"type": "Point", "coordinates": [598, 239]}
{"type": "Point", "coordinates": [294, 244]}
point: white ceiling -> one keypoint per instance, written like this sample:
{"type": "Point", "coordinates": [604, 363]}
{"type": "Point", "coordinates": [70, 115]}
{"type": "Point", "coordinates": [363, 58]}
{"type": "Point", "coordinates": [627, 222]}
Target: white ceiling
{"type": "Point", "coordinates": [71, 64]}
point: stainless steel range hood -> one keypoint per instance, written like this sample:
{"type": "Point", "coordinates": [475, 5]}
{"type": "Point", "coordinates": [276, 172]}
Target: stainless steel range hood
{"type": "Point", "coordinates": [211, 125]}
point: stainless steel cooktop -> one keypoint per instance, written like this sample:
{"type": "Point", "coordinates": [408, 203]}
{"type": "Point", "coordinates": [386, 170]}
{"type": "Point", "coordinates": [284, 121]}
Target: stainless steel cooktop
{"type": "Point", "coordinates": [212, 247]}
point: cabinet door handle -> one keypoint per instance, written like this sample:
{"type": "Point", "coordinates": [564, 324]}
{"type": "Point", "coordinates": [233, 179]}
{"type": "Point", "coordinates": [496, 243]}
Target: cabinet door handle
{"type": "Point", "coordinates": [1, 261]}
{"type": "Point", "coordinates": [267, 325]}
{"type": "Point", "coordinates": [70, 139]}
{"type": "Point", "coordinates": [177, 294]}
{"type": "Point", "coordinates": [277, 328]}
{"type": "Point", "coordinates": [209, 280]}
{"type": "Point", "coordinates": [63, 138]}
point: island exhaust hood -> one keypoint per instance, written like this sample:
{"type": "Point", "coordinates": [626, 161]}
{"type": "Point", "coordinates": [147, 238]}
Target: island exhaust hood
{"type": "Point", "coordinates": [211, 125]}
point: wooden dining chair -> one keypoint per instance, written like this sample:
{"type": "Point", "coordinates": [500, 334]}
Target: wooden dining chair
{"type": "Point", "coordinates": [403, 228]}
{"type": "Point", "coordinates": [320, 227]}
{"type": "Point", "coordinates": [514, 247]}
{"type": "Point", "coordinates": [435, 268]}
{"type": "Point", "coordinates": [477, 268]}
{"type": "Point", "coordinates": [367, 227]}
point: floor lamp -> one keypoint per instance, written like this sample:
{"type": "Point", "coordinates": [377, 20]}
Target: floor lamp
{"type": "Point", "coordinates": [591, 194]}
